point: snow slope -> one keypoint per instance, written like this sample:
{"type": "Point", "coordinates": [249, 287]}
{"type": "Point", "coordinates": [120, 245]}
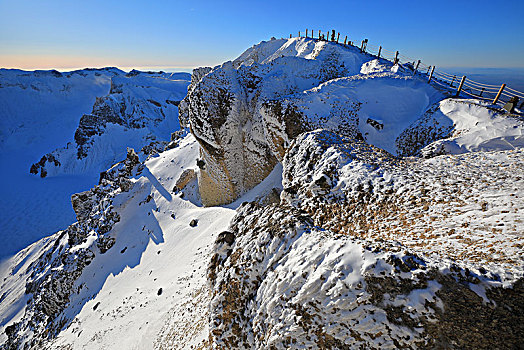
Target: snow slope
{"type": "Point", "coordinates": [149, 289]}
{"type": "Point", "coordinates": [43, 110]}
{"type": "Point", "coordinates": [40, 111]}
{"type": "Point", "coordinates": [461, 126]}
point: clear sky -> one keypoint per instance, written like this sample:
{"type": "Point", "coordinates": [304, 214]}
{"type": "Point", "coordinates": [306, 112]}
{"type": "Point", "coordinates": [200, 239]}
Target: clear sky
{"type": "Point", "coordinates": [183, 34]}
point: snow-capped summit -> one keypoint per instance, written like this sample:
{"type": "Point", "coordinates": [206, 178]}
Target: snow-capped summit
{"type": "Point", "coordinates": [245, 112]}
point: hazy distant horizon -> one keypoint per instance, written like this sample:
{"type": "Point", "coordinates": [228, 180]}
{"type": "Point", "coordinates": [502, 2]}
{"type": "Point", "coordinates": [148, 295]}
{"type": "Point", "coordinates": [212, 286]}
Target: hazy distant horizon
{"type": "Point", "coordinates": [513, 77]}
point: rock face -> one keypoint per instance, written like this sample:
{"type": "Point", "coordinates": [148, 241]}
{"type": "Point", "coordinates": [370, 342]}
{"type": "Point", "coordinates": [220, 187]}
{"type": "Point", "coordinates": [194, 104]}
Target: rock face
{"type": "Point", "coordinates": [245, 112]}
{"type": "Point", "coordinates": [338, 265]}
{"type": "Point", "coordinates": [140, 111]}
{"type": "Point", "coordinates": [54, 274]}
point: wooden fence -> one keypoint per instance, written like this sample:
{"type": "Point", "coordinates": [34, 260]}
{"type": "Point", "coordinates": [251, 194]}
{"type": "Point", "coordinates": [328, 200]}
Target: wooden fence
{"type": "Point", "coordinates": [457, 84]}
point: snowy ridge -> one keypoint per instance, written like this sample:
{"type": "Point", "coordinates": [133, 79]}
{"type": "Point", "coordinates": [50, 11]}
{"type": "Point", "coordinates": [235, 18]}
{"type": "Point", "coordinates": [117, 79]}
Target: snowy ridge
{"type": "Point", "coordinates": [354, 257]}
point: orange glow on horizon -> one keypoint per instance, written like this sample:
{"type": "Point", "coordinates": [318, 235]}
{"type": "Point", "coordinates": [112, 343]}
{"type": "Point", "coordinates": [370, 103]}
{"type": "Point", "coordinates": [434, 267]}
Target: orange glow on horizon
{"type": "Point", "coordinates": [47, 62]}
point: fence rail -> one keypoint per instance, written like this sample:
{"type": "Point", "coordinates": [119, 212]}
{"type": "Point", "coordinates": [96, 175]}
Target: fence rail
{"type": "Point", "coordinates": [455, 83]}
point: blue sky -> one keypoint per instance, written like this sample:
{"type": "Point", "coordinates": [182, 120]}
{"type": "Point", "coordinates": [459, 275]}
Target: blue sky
{"type": "Point", "coordinates": [72, 34]}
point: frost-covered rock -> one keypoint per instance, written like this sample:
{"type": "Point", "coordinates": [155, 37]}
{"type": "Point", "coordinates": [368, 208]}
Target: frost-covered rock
{"type": "Point", "coordinates": [283, 282]}
{"type": "Point", "coordinates": [370, 251]}
{"type": "Point", "coordinates": [141, 110]}
{"type": "Point", "coordinates": [444, 205]}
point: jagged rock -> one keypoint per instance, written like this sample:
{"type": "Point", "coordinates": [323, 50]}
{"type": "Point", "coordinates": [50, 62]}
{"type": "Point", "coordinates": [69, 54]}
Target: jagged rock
{"type": "Point", "coordinates": [225, 237]}
{"type": "Point", "coordinates": [82, 204]}
{"type": "Point", "coordinates": [63, 262]}
{"type": "Point", "coordinates": [296, 278]}
{"type": "Point", "coordinates": [156, 147]}
{"type": "Point", "coordinates": [193, 223]}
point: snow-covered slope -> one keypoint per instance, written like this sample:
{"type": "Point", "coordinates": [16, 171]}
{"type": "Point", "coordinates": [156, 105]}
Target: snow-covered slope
{"type": "Point", "coordinates": [140, 109]}
{"type": "Point", "coordinates": [460, 126]}
{"type": "Point", "coordinates": [44, 110]}
{"type": "Point", "coordinates": [366, 251]}
{"type": "Point", "coordinates": [40, 111]}
{"type": "Point", "coordinates": [131, 272]}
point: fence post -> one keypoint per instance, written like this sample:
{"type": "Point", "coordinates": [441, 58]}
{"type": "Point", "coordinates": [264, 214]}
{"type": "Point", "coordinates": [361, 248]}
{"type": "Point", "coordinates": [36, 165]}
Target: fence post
{"type": "Point", "coordinates": [338, 36]}
{"type": "Point", "coordinates": [396, 58]}
{"type": "Point", "coordinates": [460, 86]}
{"type": "Point", "coordinates": [319, 34]}
{"type": "Point", "coordinates": [452, 81]}
{"type": "Point", "coordinates": [431, 74]}
{"type": "Point", "coordinates": [482, 91]}
{"type": "Point", "coordinates": [290, 36]}
{"type": "Point", "coordinates": [362, 46]}
{"type": "Point", "coordinates": [306, 33]}
{"type": "Point", "coordinates": [416, 67]}
{"type": "Point", "coordinates": [299, 34]}
{"type": "Point", "coordinates": [379, 51]}
{"type": "Point", "coordinates": [345, 40]}
{"type": "Point", "coordinates": [428, 70]}
{"type": "Point", "coordinates": [498, 94]}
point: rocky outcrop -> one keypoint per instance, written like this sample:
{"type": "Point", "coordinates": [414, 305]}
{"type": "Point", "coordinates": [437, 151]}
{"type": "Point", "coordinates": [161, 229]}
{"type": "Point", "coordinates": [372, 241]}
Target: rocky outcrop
{"type": "Point", "coordinates": [353, 188]}
{"type": "Point", "coordinates": [185, 178]}
{"type": "Point", "coordinates": [223, 109]}
{"type": "Point", "coordinates": [282, 282]}
{"type": "Point", "coordinates": [366, 250]}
